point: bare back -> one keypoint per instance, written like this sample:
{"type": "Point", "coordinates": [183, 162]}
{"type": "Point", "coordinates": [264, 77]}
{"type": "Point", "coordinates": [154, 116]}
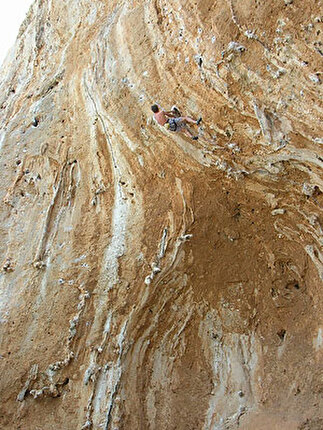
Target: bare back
{"type": "Point", "coordinates": [160, 117]}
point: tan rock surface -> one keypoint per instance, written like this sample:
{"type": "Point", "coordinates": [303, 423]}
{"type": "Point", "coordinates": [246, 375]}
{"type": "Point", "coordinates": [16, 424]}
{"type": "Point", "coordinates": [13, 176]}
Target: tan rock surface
{"type": "Point", "coordinates": [150, 281]}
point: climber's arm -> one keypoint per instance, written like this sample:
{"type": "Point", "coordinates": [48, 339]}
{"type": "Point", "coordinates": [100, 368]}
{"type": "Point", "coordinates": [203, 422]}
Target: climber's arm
{"type": "Point", "coordinates": [170, 114]}
{"type": "Point", "coordinates": [167, 113]}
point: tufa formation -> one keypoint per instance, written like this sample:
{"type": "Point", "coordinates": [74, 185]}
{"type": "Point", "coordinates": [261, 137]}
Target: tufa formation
{"type": "Point", "coordinates": [149, 281]}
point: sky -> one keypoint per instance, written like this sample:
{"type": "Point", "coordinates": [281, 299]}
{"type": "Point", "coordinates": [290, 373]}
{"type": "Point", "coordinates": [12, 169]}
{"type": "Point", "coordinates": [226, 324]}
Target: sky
{"type": "Point", "coordinates": [12, 14]}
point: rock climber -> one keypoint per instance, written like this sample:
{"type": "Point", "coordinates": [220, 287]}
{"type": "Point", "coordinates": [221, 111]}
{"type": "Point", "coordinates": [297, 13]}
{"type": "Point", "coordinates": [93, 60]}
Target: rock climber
{"type": "Point", "coordinates": [173, 121]}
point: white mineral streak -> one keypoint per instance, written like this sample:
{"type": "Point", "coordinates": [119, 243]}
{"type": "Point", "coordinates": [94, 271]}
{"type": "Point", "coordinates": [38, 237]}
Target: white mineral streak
{"type": "Point", "coordinates": [2, 136]}
{"type": "Point", "coordinates": [114, 378]}
{"type": "Point", "coordinates": [317, 258]}
{"type": "Point", "coordinates": [121, 207]}
{"type": "Point", "coordinates": [318, 341]}
{"type": "Point", "coordinates": [234, 360]}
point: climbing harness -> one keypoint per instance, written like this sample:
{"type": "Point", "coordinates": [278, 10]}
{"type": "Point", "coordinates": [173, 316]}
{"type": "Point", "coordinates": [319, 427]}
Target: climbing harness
{"type": "Point", "coordinates": [172, 124]}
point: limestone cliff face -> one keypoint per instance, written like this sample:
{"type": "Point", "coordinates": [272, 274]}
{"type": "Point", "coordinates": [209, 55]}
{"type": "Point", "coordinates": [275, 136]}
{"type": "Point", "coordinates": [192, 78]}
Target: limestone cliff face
{"type": "Point", "coordinates": [150, 281]}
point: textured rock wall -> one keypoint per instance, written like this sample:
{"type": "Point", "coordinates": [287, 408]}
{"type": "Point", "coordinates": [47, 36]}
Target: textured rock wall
{"type": "Point", "coordinates": [149, 281]}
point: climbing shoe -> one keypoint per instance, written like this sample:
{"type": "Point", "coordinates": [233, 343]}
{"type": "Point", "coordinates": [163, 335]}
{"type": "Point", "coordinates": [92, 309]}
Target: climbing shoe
{"type": "Point", "coordinates": [199, 120]}
{"type": "Point", "coordinates": [195, 138]}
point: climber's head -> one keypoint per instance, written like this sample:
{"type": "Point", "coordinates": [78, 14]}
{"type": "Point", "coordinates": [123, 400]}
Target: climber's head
{"type": "Point", "coordinates": [155, 108]}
